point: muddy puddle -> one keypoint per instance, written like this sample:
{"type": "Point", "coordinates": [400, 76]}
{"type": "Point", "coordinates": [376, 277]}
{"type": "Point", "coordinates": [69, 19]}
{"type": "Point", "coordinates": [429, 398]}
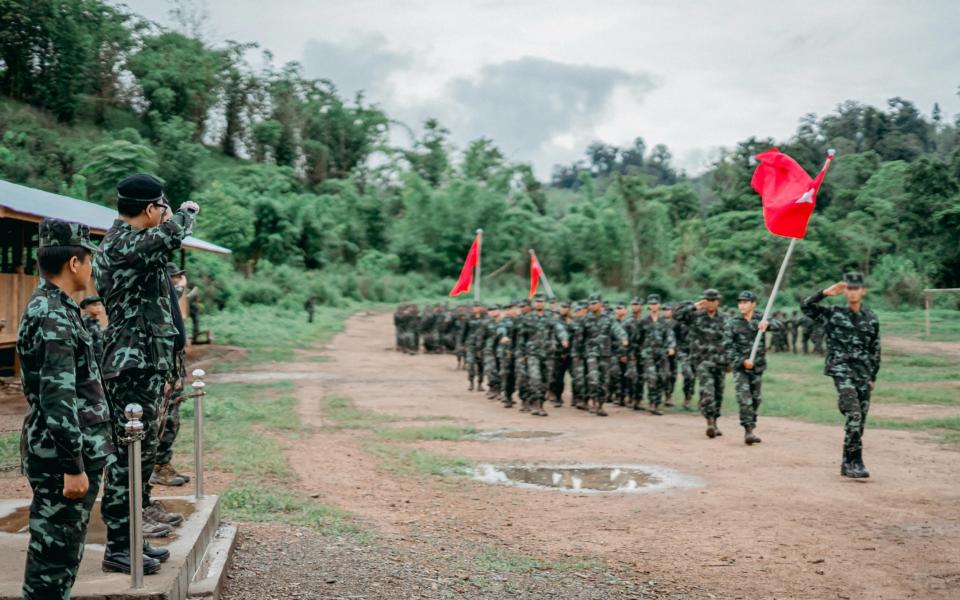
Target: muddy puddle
{"type": "Point", "coordinates": [17, 522]}
{"type": "Point", "coordinates": [513, 434]}
{"type": "Point", "coordinates": [587, 478]}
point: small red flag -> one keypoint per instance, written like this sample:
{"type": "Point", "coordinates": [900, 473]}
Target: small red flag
{"type": "Point", "coordinates": [789, 194]}
{"type": "Point", "coordinates": [535, 272]}
{"type": "Point", "coordinates": [465, 282]}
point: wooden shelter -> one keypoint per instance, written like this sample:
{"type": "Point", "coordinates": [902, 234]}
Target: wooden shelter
{"type": "Point", "coordinates": [21, 209]}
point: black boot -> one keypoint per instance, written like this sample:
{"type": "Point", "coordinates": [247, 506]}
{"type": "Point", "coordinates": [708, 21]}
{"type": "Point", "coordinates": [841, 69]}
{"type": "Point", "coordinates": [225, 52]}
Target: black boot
{"type": "Point", "coordinates": [845, 465]}
{"type": "Point", "coordinates": [711, 428]}
{"type": "Point", "coordinates": [749, 437]}
{"type": "Point", "coordinates": [160, 554]}
{"type": "Point", "coordinates": [470, 388]}
{"type": "Point", "coordinates": [120, 562]}
{"type": "Point", "coordinates": [857, 471]}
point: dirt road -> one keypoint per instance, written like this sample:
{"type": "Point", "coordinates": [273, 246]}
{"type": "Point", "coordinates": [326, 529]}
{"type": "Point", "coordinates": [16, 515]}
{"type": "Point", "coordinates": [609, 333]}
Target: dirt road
{"type": "Point", "coordinates": [769, 521]}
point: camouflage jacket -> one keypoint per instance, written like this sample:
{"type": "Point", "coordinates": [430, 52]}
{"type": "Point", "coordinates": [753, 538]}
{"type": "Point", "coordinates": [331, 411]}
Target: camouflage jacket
{"type": "Point", "coordinates": [655, 337]}
{"type": "Point", "coordinates": [130, 275]}
{"type": "Point", "coordinates": [853, 339]}
{"type": "Point", "coordinates": [681, 333]}
{"type": "Point", "coordinates": [599, 332]}
{"type": "Point", "coordinates": [476, 332]}
{"type": "Point", "coordinates": [506, 328]}
{"type": "Point", "coordinates": [490, 337]}
{"type": "Point", "coordinates": [67, 428]}
{"type": "Point", "coordinates": [578, 340]}
{"type": "Point", "coordinates": [536, 333]}
{"type": "Point", "coordinates": [631, 325]}
{"type": "Point", "coordinates": [92, 325]}
{"type": "Point", "coordinates": [706, 334]}
{"type": "Point", "coordinates": [738, 339]}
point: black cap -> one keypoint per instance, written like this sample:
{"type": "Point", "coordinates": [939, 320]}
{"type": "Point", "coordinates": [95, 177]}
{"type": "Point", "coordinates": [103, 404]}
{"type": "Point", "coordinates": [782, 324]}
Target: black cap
{"type": "Point", "coordinates": [493, 307]}
{"type": "Point", "coordinates": [711, 294]}
{"type": "Point", "coordinates": [747, 295]}
{"type": "Point", "coordinates": [141, 187]}
{"type": "Point", "coordinates": [854, 279]}
{"type": "Point", "coordinates": [595, 299]}
{"type": "Point", "coordinates": [90, 300]}
{"type": "Point", "coordinates": [565, 304]}
{"type": "Point", "coordinates": [636, 301]}
{"type": "Point", "coordinates": [620, 305]}
{"type": "Point", "coordinates": [54, 232]}
{"type": "Point", "coordinates": [653, 299]}
{"type": "Point", "coordinates": [538, 297]}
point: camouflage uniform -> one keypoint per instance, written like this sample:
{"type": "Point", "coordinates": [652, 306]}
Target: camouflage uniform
{"type": "Point", "coordinates": [505, 358]}
{"type": "Point", "coordinates": [66, 429]}
{"type": "Point", "coordinates": [560, 360]}
{"type": "Point", "coordinates": [684, 364]}
{"type": "Point", "coordinates": [475, 332]}
{"type": "Point", "coordinates": [578, 351]}
{"type": "Point", "coordinates": [535, 334]}
{"type": "Point", "coordinates": [618, 387]}
{"type": "Point", "coordinates": [173, 396]}
{"type": "Point", "coordinates": [706, 353]}
{"type": "Point", "coordinates": [490, 343]}
{"type": "Point", "coordinates": [599, 331]}
{"type": "Point", "coordinates": [140, 346]}
{"type": "Point", "coordinates": [656, 340]}
{"type": "Point", "coordinates": [853, 360]}
{"type": "Point", "coordinates": [92, 325]}
{"type": "Point", "coordinates": [738, 342]}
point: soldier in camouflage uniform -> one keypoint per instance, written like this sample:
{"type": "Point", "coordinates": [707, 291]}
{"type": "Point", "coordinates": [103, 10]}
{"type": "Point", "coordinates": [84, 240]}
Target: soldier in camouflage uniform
{"type": "Point", "coordinates": [474, 334]}
{"type": "Point", "coordinates": [490, 343]}
{"type": "Point", "coordinates": [66, 441]}
{"type": "Point", "coordinates": [600, 329]}
{"type": "Point", "coordinates": [617, 386]}
{"type": "Point", "coordinates": [806, 324]}
{"type": "Point", "coordinates": [780, 340]}
{"type": "Point", "coordinates": [506, 335]}
{"type": "Point", "coordinates": [670, 377]}
{"type": "Point", "coordinates": [634, 363]}
{"type": "Point", "coordinates": [853, 360]}
{"type": "Point", "coordinates": [519, 356]}
{"type": "Point", "coordinates": [536, 334]}
{"type": "Point", "coordinates": [92, 309]}
{"type": "Point", "coordinates": [561, 357]}
{"type": "Point", "coordinates": [681, 333]}
{"type": "Point", "coordinates": [738, 340]}
{"type": "Point", "coordinates": [793, 325]}
{"type": "Point", "coordinates": [141, 341]}
{"type": "Point", "coordinates": [706, 326]}
{"type": "Point", "coordinates": [174, 394]}
{"type": "Point", "coordinates": [657, 344]}
{"type": "Point", "coordinates": [578, 352]}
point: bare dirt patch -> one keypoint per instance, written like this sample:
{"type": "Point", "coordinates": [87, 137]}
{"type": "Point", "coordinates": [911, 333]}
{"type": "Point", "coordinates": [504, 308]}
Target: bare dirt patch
{"type": "Point", "coordinates": [773, 520]}
{"type": "Point", "coordinates": [905, 345]}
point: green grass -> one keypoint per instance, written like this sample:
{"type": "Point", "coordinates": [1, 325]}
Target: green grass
{"type": "Point", "coordinates": [447, 433]}
{"type": "Point", "coordinates": [9, 449]}
{"type": "Point", "coordinates": [347, 416]}
{"type": "Point", "coordinates": [944, 324]}
{"type": "Point", "coordinates": [259, 503]}
{"type": "Point", "coordinates": [403, 461]}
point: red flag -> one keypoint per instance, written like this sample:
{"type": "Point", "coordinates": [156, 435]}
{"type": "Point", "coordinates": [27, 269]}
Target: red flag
{"type": "Point", "coordinates": [466, 273]}
{"type": "Point", "coordinates": [535, 272]}
{"type": "Point", "coordinates": [789, 194]}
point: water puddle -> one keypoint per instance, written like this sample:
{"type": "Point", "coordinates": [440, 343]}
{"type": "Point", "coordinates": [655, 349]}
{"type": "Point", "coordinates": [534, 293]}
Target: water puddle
{"type": "Point", "coordinates": [513, 434]}
{"type": "Point", "coordinates": [587, 478]}
{"type": "Point", "coordinates": [17, 521]}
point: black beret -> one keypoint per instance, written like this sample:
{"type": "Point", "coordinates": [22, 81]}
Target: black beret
{"type": "Point", "coordinates": [853, 279]}
{"type": "Point", "coordinates": [142, 187]}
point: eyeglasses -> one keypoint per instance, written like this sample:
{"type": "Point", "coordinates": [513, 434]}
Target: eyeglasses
{"type": "Point", "coordinates": [163, 207]}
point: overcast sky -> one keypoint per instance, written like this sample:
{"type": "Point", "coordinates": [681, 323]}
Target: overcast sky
{"type": "Point", "coordinates": [545, 78]}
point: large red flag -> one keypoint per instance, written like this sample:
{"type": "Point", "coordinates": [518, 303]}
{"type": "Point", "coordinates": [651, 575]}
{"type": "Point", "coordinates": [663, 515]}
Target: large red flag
{"type": "Point", "coordinates": [789, 194]}
{"type": "Point", "coordinates": [535, 272]}
{"type": "Point", "coordinates": [466, 273]}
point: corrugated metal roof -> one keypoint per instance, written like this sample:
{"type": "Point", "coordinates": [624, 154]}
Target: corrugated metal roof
{"type": "Point", "coordinates": [37, 203]}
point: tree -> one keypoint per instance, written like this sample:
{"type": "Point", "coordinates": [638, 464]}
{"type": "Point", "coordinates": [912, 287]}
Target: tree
{"type": "Point", "coordinates": [111, 162]}
{"type": "Point", "coordinates": [429, 156]}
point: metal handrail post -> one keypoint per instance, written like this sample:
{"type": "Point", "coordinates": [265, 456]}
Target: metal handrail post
{"type": "Point", "coordinates": [134, 435]}
{"type": "Point", "coordinates": [198, 386]}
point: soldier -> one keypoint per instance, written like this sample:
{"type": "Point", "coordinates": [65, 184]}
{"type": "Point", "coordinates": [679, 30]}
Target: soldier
{"type": "Point", "coordinates": [474, 332]}
{"type": "Point", "coordinates": [519, 357]}
{"type": "Point", "coordinates": [398, 327]}
{"type": "Point", "coordinates": [578, 376]}
{"type": "Point", "coordinates": [681, 333]}
{"type": "Point", "coordinates": [793, 326]}
{"type": "Point", "coordinates": [670, 378]}
{"type": "Point", "coordinates": [461, 317]}
{"type": "Point", "coordinates": [141, 341]}
{"type": "Point", "coordinates": [634, 362]}
{"type": "Point", "coordinates": [92, 307]}
{"type": "Point", "coordinates": [310, 306]}
{"type": "Point", "coordinates": [173, 396]}
{"type": "Point", "coordinates": [706, 325]}
{"type": "Point", "coordinates": [66, 441]}
{"type": "Point", "coordinates": [619, 357]}
{"type": "Point", "coordinates": [816, 336]}
{"type": "Point", "coordinates": [599, 330]}
{"type": "Point", "coordinates": [853, 360]}
{"type": "Point", "coordinates": [657, 344]}
{"type": "Point", "coordinates": [490, 343]}
{"type": "Point", "coordinates": [535, 334]}
{"type": "Point", "coordinates": [506, 335]}
{"type": "Point", "coordinates": [738, 340]}
{"type": "Point", "coordinates": [780, 340]}
{"type": "Point", "coordinates": [807, 324]}
{"type": "Point", "coordinates": [561, 356]}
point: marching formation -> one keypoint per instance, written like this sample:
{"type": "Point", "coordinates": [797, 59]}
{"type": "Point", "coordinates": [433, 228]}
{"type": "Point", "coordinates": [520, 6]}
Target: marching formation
{"type": "Point", "coordinates": [635, 354]}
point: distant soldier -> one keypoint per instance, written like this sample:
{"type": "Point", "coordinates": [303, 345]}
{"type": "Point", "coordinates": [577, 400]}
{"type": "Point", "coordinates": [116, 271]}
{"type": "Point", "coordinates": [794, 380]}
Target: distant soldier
{"type": "Point", "coordinates": [490, 343]}
{"type": "Point", "coordinates": [600, 328]}
{"type": "Point", "coordinates": [475, 332]}
{"type": "Point", "coordinates": [66, 441]}
{"type": "Point", "coordinates": [738, 340]}
{"type": "Point", "coordinates": [141, 341]}
{"type": "Point", "coordinates": [92, 307]}
{"type": "Point", "coordinates": [816, 336]}
{"type": "Point", "coordinates": [506, 334]}
{"type": "Point", "coordinates": [806, 324]}
{"type": "Point", "coordinates": [681, 332]}
{"type": "Point", "coordinates": [561, 357]}
{"type": "Point", "coordinates": [634, 361]}
{"type": "Point", "coordinates": [460, 318]}
{"type": "Point", "coordinates": [618, 387]}
{"type": "Point", "coordinates": [793, 325]}
{"type": "Point", "coordinates": [398, 327]}
{"type": "Point", "coordinates": [578, 351]}
{"type": "Point", "coordinates": [657, 345]}
{"type": "Point", "coordinates": [310, 306]}
{"type": "Point", "coordinates": [853, 360]}
{"type": "Point", "coordinates": [780, 339]}
{"type": "Point", "coordinates": [706, 325]}
{"type": "Point", "coordinates": [536, 333]}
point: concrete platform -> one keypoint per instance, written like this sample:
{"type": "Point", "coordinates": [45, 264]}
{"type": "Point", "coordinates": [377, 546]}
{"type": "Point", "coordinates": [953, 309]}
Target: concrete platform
{"type": "Point", "coordinates": [188, 545]}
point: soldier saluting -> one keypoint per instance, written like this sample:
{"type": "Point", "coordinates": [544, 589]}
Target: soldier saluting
{"type": "Point", "coordinates": [853, 360]}
{"type": "Point", "coordinates": [67, 440]}
{"type": "Point", "coordinates": [141, 342]}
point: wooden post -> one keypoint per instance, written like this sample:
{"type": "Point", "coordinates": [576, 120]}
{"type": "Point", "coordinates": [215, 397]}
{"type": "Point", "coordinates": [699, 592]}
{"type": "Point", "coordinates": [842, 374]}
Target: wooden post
{"type": "Point", "coordinates": [926, 312]}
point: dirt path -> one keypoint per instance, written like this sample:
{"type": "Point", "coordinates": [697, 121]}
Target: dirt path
{"type": "Point", "coordinates": [774, 520]}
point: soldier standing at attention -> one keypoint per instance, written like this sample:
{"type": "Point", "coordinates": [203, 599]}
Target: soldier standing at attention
{"type": "Point", "coordinates": [706, 325]}
{"type": "Point", "coordinates": [92, 307]}
{"type": "Point", "coordinates": [738, 343]}
{"type": "Point", "coordinates": [506, 334]}
{"type": "Point", "coordinates": [670, 379]}
{"type": "Point", "coordinates": [853, 360]}
{"type": "Point", "coordinates": [634, 362]}
{"type": "Point", "coordinates": [141, 341]}
{"type": "Point", "coordinates": [66, 439]}
{"type": "Point", "coordinates": [657, 344]}
{"type": "Point", "coordinates": [536, 334]}
{"type": "Point", "coordinates": [490, 342]}
{"type": "Point", "coordinates": [599, 330]}
{"type": "Point", "coordinates": [578, 376]}
{"type": "Point", "coordinates": [474, 333]}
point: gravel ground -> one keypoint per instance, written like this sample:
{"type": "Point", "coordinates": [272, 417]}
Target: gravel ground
{"type": "Point", "coordinates": [284, 562]}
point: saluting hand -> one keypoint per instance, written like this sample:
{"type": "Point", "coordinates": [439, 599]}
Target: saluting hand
{"type": "Point", "coordinates": [700, 304]}
{"type": "Point", "coordinates": [191, 205]}
{"type": "Point", "coordinates": [75, 486]}
{"type": "Point", "coordinates": [835, 289]}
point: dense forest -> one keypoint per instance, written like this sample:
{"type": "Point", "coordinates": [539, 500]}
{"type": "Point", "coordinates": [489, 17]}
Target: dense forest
{"type": "Point", "coordinates": [306, 188]}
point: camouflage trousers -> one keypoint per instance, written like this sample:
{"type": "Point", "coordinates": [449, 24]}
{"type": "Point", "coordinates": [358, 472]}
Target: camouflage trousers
{"type": "Point", "coordinates": [747, 387]}
{"type": "Point", "coordinates": [474, 365]}
{"type": "Point", "coordinates": [685, 366]}
{"type": "Point", "coordinates": [670, 378]}
{"type": "Point", "coordinates": [559, 365]}
{"type": "Point", "coordinates": [58, 527]}
{"type": "Point", "coordinates": [508, 376]}
{"type": "Point", "coordinates": [409, 342]}
{"type": "Point", "coordinates": [633, 376]}
{"type": "Point", "coordinates": [536, 385]}
{"type": "Point", "coordinates": [598, 377]}
{"type": "Point", "coordinates": [491, 370]}
{"type": "Point", "coordinates": [520, 369]}
{"type": "Point", "coordinates": [144, 388]}
{"type": "Point", "coordinates": [578, 379]}
{"type": "Point", "coordinates": [655, 371]}
{"type": "Point", "coordinates": [854, 403]}
{"type": "Point", "coordinates": [710, 377]}
{"type": "Point", "coordinates": [173, 395]}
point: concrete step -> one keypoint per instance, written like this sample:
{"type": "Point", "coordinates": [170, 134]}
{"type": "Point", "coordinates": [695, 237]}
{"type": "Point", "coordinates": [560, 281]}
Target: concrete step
{"type": "Point", "coordinates": [201, 544]}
